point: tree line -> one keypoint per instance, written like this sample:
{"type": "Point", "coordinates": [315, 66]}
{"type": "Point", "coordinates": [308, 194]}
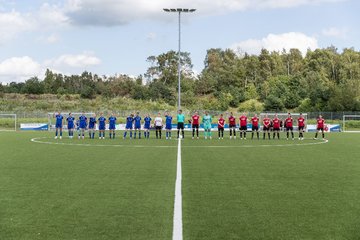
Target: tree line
{"type": "Point", "coordinates": [322, 80]}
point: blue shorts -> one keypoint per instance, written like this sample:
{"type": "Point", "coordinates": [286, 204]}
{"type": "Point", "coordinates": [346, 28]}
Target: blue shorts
{"type": "Point", "coordinates": [168, 127]}
{"type": "Point", "coordinates": [137, 126]}
{"type": "Point", "coordinates": [111, 127]}
{"type": "Point", "coordinates": [82, 127]}
{"type": "Point", "coordinates": [101, 128]}
{"type": "Point", "coordinates": [147, 126]}
{"type": "Point", "coordinates": [58, 125]}
{"type": "Point", "coordinates": [70, 126]}
{"type": "Point", "coordinates": [129, 127]}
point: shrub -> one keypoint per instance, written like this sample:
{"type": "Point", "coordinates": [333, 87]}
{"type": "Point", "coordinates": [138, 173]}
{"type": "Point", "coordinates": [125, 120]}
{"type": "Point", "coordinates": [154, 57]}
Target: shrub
{"type": "Point", "coordinates": [251, 105]}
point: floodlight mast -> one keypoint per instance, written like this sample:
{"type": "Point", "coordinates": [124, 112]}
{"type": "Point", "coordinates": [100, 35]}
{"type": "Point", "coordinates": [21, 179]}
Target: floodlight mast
{"type": "Point", "coordinates": [179, 11]}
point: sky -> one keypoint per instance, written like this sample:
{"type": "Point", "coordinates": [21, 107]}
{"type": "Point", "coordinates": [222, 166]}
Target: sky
{"type": "Point", "coordinates": [111, 37]}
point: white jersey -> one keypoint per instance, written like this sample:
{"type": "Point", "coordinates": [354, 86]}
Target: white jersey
{"type": "Point", "coordinates": [158, 122]}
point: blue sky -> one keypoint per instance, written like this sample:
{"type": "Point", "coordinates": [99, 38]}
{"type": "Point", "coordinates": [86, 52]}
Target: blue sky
{"type": "Point", "coordinates": [116, 36]}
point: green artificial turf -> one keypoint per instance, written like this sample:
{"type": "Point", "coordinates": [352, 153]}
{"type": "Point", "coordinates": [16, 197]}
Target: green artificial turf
{"type": "Point", "coordinates": [76, 192]}
{"type": "Point", "coordinates": [297, 192]}
{"type": "Point", "coordinates": [232, 189]}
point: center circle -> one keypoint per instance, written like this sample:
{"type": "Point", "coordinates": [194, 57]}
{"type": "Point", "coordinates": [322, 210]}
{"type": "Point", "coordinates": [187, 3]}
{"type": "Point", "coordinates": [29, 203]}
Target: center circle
{"type": "Point", "coordinates": [40, 141]}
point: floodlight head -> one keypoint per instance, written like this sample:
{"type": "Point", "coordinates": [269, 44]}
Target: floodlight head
{"type": "Point", "coordinates": [179, 10]}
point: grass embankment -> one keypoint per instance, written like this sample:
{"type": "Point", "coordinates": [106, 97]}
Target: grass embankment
{"type": "Point", "coordinates": [20, 103]}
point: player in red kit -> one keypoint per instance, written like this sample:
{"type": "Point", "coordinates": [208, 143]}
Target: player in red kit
{"type": "Point", "coordinates": [255, 126]}
{"type": "Point", "coordinates": [301, 126]}
{"type": "Point", "coordinates": [266, 127]}
{"type": "Point", "coordinates": [276, 126]}
{"type": "Point", "coordinates": [232, 125]}
{"type": "Point", "coordinates": [320, 127]}
{"type": "Point", "coordinates": [289, 126]}
{"type": "Point", "coordinates": [195, 125]}
{"type": "Point", "coordinates": [243, 125]}
{"type": "Point", "coordinates": [221, 124]}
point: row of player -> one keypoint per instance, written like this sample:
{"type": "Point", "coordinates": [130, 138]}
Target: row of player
{"type": "Point", "coordinates": [133, 121]}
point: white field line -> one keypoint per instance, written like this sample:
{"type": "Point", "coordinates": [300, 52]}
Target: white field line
{"type": "Point", "coordinates": [39, 140]}
{"type": "Point", "coordinates": [177, 222]}
{"type": "Point", "coordinates": [266, 145]}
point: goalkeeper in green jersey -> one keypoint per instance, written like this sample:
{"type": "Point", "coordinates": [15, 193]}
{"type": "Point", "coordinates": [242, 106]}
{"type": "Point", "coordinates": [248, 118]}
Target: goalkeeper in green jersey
{"type": "Point", "coordinates": [207, 125]}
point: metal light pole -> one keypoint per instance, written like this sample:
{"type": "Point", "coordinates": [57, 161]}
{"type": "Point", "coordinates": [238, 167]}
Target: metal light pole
{"type": "Point", "coordinates": [179, 11]}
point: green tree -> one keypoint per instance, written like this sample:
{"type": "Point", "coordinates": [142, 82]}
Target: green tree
{"type": "Point", "coordinates": [52, 82]}
{"type": "Point", "coordinates": [273, 103]}
{"type": "Point", "coordinates": [293, 62]}
{"type": "Point", "coordinates": [164, 67]}
{"type": "Point", "coordinates": [206, 84]}
{"type": "Point", "coordinates": [265, 66]}
{"type": "Point", "coordinates": [158, 90]}
{"type": "Point", "coordinates": [223, 70]}
{"type": "Point", "coordinates": [14, 87]}
{"type": "Point", "coordinates": [33, 86]}
{"type": "Point", "coordinates": [87, 92]}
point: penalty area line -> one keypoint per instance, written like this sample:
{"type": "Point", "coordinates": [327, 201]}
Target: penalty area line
{"type": "Point", "coordinates": [177, 221]}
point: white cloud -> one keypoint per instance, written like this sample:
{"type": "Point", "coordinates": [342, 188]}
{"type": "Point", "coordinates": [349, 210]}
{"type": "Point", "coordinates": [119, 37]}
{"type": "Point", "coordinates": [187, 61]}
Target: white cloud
{"type": "Point", "coordinates": [53, 38]}
{"type": "Point", "coordinates": [278, 42]}
{"type": "Point", "coordinates": [119, 12]}
{"type": "Point", "coordinates": [151, 36]}
{"type": "Point", "coordinates": [51, 16]}
{"type": "Point", "coordinates": [6, 4]}
{"type": "Point", "coordinates": [49, 39]}
{"type": "Point", "coordinates": [11, 24]}
{"type": "Point", "coordinates": [83, 60]}
{"type": "Point", "coordinates": [291, 3]}
{"type": "Point", "coordinates": [47, 17]}
{"type": "Point", "coordinates": [335, 32]}
{"type": "Point", "coordinates": [19, 69]}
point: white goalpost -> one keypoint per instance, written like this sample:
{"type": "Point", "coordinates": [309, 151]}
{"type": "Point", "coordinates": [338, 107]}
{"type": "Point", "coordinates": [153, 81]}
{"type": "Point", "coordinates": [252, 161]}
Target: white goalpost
{"type": "Point", "coordinates": [76, 115]}
{"type": "Point", "coordinates": [8, 122]}
{"type": "Point", "coordinates": [283, 116]}
{"type": "Point", "coordinates": [351, 123]}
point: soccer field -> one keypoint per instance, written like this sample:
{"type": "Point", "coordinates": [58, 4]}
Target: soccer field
{"type": "Point", "coordinates": [231, 189]}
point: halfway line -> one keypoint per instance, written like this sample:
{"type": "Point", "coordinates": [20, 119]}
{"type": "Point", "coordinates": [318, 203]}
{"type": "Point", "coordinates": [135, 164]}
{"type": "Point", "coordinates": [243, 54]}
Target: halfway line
{"type": "Point", "coordinates": [177, 222]}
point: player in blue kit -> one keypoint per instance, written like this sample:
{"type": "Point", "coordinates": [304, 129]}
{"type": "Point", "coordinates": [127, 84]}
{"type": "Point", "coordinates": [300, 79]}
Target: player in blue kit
{"type": "Point", "coordinates": [112, 126]}
{"type": "Point", "coordinates": [83, 125]}
{"type": "Point", "coordinates": [168, 125]}
{"type": "Point", "coordinates": [70, 125]}
{"type": "Point", "coordinates": [137, 120]}
{"type": "Point", "coordinates": [102, 124]}
{"type": "Point", "coordinates": [129, 125]}
{"type": "Point", "coordinates": [58, 124]}
{"type": "Point", "coordinates": [147, 125]}
{"type": "Point", "coordinates": [92, 126]}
